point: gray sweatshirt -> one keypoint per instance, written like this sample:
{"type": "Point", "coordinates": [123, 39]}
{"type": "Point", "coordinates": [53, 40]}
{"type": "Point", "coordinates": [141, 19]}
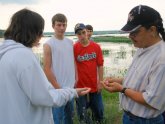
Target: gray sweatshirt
{"type": "Point", "coordinates": [26, 96]}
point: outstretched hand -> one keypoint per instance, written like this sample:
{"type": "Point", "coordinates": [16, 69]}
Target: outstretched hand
{"type": "Point", "coordinates": [83, 91]}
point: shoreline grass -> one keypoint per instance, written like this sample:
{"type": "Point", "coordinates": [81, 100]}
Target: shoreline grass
{"type": "Point", "coordinates": [114, 39]}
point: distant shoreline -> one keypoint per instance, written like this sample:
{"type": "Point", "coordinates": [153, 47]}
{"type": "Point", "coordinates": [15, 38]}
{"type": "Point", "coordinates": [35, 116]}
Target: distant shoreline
{"type": "Point", "coordinates": [110, 32]}
{"type": "Point", "coordinates": [49, 34]}
{"type": "Point", "coordinates": [113, 39]}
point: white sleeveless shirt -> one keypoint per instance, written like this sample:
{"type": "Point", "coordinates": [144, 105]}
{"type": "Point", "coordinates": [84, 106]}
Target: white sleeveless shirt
{"type": "Point", "coordinates": [62, 61]}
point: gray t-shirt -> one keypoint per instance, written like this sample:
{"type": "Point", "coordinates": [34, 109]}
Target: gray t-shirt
{"type": "Point", "coordinates": [63, 61]}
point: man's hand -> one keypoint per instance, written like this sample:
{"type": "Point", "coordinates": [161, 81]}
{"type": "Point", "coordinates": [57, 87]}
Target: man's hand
{"type": "Point", "coordinates": [111, 80]}
{"type": "Point", "coordinates": [112, 87]}
{"type": "Point", "coordinates": [83, 91]}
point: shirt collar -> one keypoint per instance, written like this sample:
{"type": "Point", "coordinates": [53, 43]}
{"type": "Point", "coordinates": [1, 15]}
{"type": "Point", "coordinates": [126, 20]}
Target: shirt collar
{"type": "Point", "coordinates": [144, 50]}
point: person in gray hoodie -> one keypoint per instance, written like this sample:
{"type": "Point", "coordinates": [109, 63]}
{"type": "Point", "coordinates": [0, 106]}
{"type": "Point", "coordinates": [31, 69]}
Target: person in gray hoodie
{"type": "Point", "coordinates": [25, 93]}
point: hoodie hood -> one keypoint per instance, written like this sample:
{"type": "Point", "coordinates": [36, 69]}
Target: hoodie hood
{"type": "Point", "coordinates": [8, 45]}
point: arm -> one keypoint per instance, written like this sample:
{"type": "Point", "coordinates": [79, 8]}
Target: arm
{"type": "Point", "coordinates": [76, 73]}
{"type": "Point", "coordinates": [152, 93]}
{"type": "Point", "coordinates": [134, 95]}
{"type": "Point", "coordinates": [75, 65]}
{"type": "Point", "coordinates": [47, 66]}
{"type": "Point", "coordinates": [137, 97]}
{"type": "Point", "coordinates": [100, 62]}
{"type": "Point", "coordinates": [100, 74]}
{"type": "Point", "coordinates": [36, 88]}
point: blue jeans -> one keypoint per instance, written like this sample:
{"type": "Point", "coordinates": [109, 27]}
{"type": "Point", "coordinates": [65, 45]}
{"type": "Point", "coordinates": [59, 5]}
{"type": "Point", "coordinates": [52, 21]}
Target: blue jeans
{"type": "Point", "coordinates": [93, 101]}
{"type": "Point", "coordinates": [64, 114]}
{"type": "Point", "coordinates": [164, 116]}
{"type": "Point", "coordinates": [138, 120]}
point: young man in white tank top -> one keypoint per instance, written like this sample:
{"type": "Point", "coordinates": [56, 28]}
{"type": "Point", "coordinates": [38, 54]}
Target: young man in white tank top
{"type": "Point", "coordinates": [59, 66]}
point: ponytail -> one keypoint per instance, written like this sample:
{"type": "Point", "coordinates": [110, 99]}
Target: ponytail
{"type": "Point", "coordinates": [162, 32]}
{"type": "Point", "coordinates": [160, 29]}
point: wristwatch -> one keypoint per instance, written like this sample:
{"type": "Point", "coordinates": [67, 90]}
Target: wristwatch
{"type": "Point", "coordinates": [123, 90]}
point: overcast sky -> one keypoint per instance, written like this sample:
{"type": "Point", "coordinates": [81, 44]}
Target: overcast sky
{"type": "Point", "coordinates": [102, 14]}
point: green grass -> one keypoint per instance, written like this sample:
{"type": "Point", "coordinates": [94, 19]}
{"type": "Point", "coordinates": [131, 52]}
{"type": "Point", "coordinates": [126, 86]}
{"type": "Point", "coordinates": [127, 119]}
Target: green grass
{"type": "Point", "coordinates": [112, 112]}
{"type": "Point", "coordinates": [113, 39]}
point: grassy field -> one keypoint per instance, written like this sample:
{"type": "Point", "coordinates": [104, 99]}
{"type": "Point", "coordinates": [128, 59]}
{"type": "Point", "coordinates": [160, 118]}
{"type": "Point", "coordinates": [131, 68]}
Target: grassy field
{"type": "Point", "coordinates": [112, 112]}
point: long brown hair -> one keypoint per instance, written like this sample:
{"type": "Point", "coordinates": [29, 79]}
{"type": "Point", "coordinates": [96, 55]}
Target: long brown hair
{"type": "Point", "coordinates": [25, 27]}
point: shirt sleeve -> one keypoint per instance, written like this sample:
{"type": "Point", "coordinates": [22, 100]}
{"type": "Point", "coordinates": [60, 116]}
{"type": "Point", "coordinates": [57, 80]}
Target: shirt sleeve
{"type": "Point", "coordinates": [100, 59]}
{"type": "Point", "coordinates": [39, 91]}
{"type": "Point", "coordinates": [155, 89]}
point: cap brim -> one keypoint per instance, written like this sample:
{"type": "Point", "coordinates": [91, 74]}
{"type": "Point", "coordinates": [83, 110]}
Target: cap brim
{"type": "Point", "coordinates": [78, 30]}
{"type": "Point", "coordinates": [129, 28]}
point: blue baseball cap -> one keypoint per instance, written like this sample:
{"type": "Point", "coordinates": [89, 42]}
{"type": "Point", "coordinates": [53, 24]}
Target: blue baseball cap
{"type": "Point", "coordinates": [79, 26]}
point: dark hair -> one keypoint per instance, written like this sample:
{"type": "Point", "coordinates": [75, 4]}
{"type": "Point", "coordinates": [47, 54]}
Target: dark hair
{"type": "Point", "coordinates": [89, 27]}
{"type": "Point", "coordinates": [161, 30]}
{"type": "Point", "coordinates": [159, 26]}
{"type": "Point", "coordinates": [59, 18]}
{"type": "Point", "coordinates": [25, 27]}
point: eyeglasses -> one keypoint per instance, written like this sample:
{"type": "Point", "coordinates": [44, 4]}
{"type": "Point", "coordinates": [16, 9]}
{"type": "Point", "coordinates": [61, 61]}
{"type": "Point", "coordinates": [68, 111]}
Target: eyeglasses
{"type": "Point", "coordinates": [135, 32]}
{"type": "Point", "coordinates": [81, 32]}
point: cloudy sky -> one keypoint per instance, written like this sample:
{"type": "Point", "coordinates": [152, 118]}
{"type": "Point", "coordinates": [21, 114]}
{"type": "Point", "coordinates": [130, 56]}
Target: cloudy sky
{"type": "Point", "coordinates": [102, 14]}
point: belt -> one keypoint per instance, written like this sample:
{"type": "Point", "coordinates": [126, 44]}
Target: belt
{"type": "Point", "coordinates": [130, 114]}
{"type": "Point", "coordinates": [134, 116]}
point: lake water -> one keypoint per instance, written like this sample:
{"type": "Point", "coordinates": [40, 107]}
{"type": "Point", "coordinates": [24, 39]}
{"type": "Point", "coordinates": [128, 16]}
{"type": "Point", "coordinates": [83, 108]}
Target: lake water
{"type": "Point", "coordinates": [117, 56]}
